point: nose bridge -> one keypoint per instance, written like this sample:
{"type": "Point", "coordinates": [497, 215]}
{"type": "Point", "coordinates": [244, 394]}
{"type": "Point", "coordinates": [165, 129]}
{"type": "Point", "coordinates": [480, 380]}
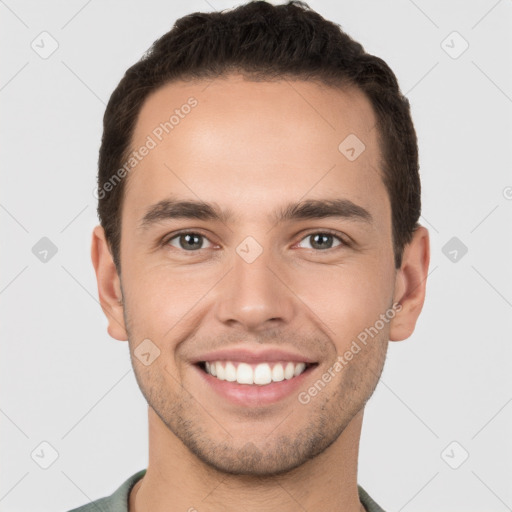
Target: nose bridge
{"type": "Point", "coordinates": [253, 292]}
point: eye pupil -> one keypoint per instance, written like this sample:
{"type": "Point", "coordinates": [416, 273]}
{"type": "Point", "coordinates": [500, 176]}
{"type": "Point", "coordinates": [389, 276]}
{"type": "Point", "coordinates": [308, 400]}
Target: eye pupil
{"type": "Point", "coordinates": [192, 242]}
{"type": "Point", "coordinates": [190, 239]}
{"type": "Point", "coordinates": [322, 237]}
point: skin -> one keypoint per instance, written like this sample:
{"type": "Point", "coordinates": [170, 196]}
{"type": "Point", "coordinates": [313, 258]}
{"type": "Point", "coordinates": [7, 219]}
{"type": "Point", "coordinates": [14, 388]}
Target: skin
{"type": "Point", "coordinates": [252, 147]}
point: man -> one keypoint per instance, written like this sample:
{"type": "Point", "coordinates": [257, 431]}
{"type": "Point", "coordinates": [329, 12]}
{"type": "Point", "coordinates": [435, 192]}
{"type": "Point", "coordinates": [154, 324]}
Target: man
{"type": "Point", "coordinates": [259, 247]}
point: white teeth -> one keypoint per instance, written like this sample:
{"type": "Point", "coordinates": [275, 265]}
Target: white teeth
{"type": "Point", "coordinates": [221, 373]}
{"type": "Point", "coordinates": [230, 372]}
{"type": "Point", "coordinates": [278, 373]}
{"type": "Point", "coordinates": [289, 371]}
{"type": "Point", "coordinates": [244, 374]}
{"type": "Point", "coordinates": [299, 369]}
{"type": "Point", "coordinates": [260, 374]}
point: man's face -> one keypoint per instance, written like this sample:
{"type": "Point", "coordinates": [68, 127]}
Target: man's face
{"type": "Point", "coordinates": [308, 286]}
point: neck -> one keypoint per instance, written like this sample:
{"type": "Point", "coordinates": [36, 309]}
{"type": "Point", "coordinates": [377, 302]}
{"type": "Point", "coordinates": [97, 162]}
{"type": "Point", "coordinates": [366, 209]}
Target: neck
{"type": "Point", "coordinates": [177, 480]}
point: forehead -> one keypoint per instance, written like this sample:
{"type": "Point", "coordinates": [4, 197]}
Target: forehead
{"type": "Point", "coordinates": [245, 143]}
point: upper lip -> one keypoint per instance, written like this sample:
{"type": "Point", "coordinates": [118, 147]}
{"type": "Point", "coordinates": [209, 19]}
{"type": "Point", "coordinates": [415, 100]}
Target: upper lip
{"type": "Point", "coordinates": [246, 355]}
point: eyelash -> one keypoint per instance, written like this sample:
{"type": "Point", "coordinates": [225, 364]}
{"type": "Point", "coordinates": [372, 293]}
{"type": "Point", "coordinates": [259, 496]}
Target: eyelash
{"type": "Point", "coordinates": [335, 234]}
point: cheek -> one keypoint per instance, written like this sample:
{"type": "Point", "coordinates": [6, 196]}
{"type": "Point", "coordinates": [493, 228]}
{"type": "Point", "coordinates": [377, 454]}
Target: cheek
{"type": "Point", "coordinates": [160, 299]}
{"type": "Point", "coordinates": [343, 299]}
{"type": "Point", "coordinates": [346, 298]}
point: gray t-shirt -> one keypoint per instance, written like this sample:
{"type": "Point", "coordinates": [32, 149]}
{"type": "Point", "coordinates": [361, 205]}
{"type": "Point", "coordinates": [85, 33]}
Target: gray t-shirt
{"type": "Point", "coordinates": [118, 501]}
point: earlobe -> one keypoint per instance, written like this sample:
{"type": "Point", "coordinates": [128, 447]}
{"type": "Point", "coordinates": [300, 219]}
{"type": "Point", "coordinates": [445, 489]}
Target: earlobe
{"type": "Point", "coordinates": [410, 285]}
{"type": "Point", "coordinates": [109, 284]}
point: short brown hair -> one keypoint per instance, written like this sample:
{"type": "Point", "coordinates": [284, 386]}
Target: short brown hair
{"type": "Point", "coordinates": [264, 42]}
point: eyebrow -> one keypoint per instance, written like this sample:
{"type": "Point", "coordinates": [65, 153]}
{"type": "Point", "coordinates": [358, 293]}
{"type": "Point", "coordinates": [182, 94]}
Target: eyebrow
{"type": "Point", "coordinates": [172, 208]}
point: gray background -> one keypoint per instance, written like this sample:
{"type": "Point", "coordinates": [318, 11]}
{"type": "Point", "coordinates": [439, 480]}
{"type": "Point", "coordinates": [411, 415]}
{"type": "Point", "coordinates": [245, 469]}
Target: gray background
{"type": "Point", "coordinates": [65, 382]}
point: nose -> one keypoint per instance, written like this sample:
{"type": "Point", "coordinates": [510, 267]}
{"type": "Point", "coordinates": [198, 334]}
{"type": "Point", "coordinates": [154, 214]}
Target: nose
{"type": "Point", "coordinates": [255, 294]}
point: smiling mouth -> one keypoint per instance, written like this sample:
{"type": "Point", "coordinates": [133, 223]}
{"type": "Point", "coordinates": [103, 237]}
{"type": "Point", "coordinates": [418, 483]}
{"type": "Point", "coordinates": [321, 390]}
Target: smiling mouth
{"type": "Point", "coordinates": [259, 374]}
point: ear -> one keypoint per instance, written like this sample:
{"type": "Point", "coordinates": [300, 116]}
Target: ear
{"type": "Point", "coordinates": [410, 285]}
{"type": "Point", "coordinates": [109, 284]}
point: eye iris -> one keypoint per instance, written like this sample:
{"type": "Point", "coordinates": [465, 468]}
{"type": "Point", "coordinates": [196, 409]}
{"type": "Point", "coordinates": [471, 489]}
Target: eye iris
{"type": "Point", "coordinates": [190, 240]}
{"type": "Point", "coordinates": [322, 237]}
{"type": "Point", "coordinates": [193, 241]}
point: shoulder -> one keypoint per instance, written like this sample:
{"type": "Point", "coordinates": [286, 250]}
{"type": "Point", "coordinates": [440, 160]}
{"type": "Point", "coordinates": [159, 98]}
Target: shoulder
{"type": "Point", "coordinates": [117, 501]}
{"type": "Point", "coordinates": [369, 504]}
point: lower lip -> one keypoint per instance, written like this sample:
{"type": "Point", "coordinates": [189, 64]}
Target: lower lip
{"type": "Point", "coordinates": [253, 395]}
